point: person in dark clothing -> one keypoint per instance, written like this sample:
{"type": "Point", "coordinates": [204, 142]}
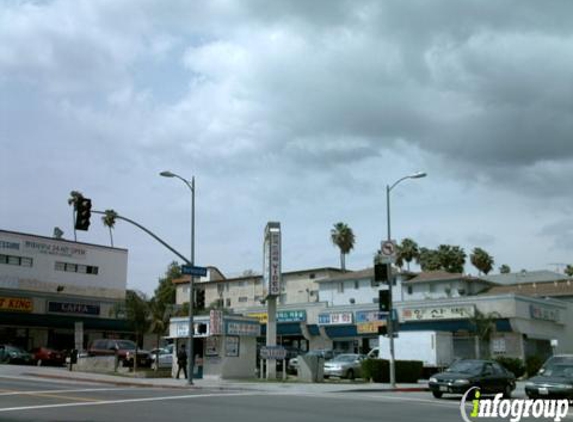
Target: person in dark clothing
{"type": "Point", "coordinates": [182, 361]}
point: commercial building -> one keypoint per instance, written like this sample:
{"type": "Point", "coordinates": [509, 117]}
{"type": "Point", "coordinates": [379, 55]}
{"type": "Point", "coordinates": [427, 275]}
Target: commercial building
{"type": "Point", "coordinates": [59, 293]}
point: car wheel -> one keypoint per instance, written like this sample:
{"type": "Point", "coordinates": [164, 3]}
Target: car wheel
{"type": "Point", "coordinates": [39, 362]}
{"type": "Point", "coordinates": [437, 394]}
{"type": "Point", "coordinates": [507, 392]}
{"type": "Point", "coordinates": [350, 374]}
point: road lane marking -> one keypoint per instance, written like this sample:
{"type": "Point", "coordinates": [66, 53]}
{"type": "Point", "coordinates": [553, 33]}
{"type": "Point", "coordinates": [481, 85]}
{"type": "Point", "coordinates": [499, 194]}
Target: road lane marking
{"type": "Point", "coordinates": [82, 390]}
{"type": "Point", "coordinates": [139, 400]}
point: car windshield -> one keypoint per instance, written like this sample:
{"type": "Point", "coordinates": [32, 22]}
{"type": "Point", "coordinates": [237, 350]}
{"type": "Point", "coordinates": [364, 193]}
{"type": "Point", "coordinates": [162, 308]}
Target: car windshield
{"type": "Point", "coordinates": [565, 371]}
{"type": "Point", "coordinates": [466, 367]}
{"type": "Point", "coordinates": [558, 360]}
{"type": "Point", "coordinates": [345, 358]}
{"type": "Point", "coordinates": [126, 345]}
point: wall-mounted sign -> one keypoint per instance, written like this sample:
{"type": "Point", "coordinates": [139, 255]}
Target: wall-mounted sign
{"type": "Point", "coordinates": [232, 346]}
{"type": "Point", "coordinates": [262, 317]}
{"type": "Point", "coordinates": [272, 279]}
{"type": "Point", "coordinates": [73, 308]}
{"type": "Point", "coordinates": [282, 316]}
{"type": "Point", "coordinates": [368, 316]}
{"type": "Point", "coordinates": [243, 328]}
{"type": "Point", "coordinates": [200, 329]}
{"type": "Point", "coordinates": [438, 313]}
{"type": "Point", "coordinates": [59, 249]}
{"type": "Point", "coordinates": [369, 327]}
{"type": "Point", "coordinates": [544, 313]}
{"type": "Point", "coordinates": [19, 304]}
{"type": "Point", "coordinates": [335, 318]}
{"type": "Point", "coordinates": [216, 322]}
{"type": "Point", "coordinates": [211, 346]}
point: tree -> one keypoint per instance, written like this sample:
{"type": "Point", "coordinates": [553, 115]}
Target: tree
{"type": "Point", "coordinates": [159, 315]}
{"type": "Point", "coordinates": [452, 258]}
{"type": "Point", "coordinates": [407, 251]}
{"type": "Point", "coordinates": [484, 326]}
{"type": "Point", "coordinates": [429, 260]}
{"type": "Point", "coordinates": [504, 269]}
{"type": "Point", "coordinates": [137, 310]}
{"type": "Point", "coordinates": [343, 237]}
{"type": "Point", "coordinates": [481, 260]}
{"type": "Point", "coordinates": [569, 270]}
{"type": "Point", "coordinates": [165, 292]}
{"type": "Point", "coordinates": [109, 221]}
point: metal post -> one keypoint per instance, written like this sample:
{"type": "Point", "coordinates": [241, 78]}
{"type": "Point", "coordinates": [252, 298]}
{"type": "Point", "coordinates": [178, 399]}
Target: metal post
{"type": "Point", "coordinates": [390, 320]}
{"type": "Point", "coordinates": [191, 358]}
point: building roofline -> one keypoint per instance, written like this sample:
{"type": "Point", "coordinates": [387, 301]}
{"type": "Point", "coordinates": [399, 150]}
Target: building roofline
{"type": "Point", "coordinates": [53, 239]}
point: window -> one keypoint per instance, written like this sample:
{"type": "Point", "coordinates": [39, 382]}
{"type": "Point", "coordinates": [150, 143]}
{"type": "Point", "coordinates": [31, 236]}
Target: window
{"type": "Point", "coordinates": [356, 285]}
{"type": "Point", "coordinates": [76, 268]}
{"type": "Point", "coordinates": [243, 299]}
{"type": "Point", "coordinates": [341, 287]}
{"type": "Point", "coordinates": [16, 260]}
{"type": "Point", "coordinates": [228, 302]}
{"type": "Point", "coordinates": [312, 276]}
{"type": "Point", "coordinates": [410, 290]}
{"type": "Point", "coordinates": [432, 287]}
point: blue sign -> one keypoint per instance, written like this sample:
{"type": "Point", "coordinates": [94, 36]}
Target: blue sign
{"type": "Point", "coordinates": [73, 308]}
{"type": "Point", "coordinates": [191, 270]}
{"type": "Point", "coordinates": [291, 316]}
{"type": "Point", "coordinates": [369, 316]}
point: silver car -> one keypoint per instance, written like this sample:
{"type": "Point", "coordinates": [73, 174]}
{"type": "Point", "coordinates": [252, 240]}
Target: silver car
{"type": "Point", "coordinates": [165, 355]}
{"type": "Point", "coordinates": [347, 365]}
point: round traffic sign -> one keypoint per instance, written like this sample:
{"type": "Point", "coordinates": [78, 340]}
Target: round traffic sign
{"type": "Point", "coordinates": [388, 248]}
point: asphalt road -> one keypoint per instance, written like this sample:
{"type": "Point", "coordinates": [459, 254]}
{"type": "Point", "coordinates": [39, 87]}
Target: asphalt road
{"type": "Point", "coordinates": [31, 399]}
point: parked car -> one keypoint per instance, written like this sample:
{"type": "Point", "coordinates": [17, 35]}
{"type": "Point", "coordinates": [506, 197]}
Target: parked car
{"type": "Point", "coordinates": [47, 356]}
{"type": "Point", "coordinates": [13, 354]}
{"type": "Point", "coordinates": [347, 365]}
{"type": "Point", "coordinates": [162, 357]}
{"type": "Point", "coordinates": [326, 354]}
{"type": "Point", "coordinates": [124, 349]}
{"type": "Point", "coordinates": [554, 380]}
{"type": "Point", "coordinates": [464, 374]}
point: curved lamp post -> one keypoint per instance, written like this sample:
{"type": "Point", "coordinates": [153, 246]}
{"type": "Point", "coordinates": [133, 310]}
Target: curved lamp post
{"type": "Point", "coordinates": [191, 357]}
{"type": "Point", "coordinates": [389, 188]}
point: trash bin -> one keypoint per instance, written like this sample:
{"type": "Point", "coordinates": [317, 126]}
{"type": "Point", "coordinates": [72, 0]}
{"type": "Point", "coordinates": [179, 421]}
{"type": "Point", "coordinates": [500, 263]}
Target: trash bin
{"type": "Point", "coordinates": [198, 367]}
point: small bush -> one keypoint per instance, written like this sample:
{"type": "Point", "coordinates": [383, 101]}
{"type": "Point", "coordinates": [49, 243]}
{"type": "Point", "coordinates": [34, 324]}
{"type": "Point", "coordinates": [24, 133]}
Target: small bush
{"type": "Point", "coordinates": [378, 370]}
{"type": "Point", "coordinates": [533, 364]}
{"type": "Point", "coordinates": [514, 365]}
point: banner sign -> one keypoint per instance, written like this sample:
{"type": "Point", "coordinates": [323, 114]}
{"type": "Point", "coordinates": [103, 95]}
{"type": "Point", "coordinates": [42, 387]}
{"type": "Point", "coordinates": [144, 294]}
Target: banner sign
{"type": "Point", "coordinates": [368, 316]}
{"type": "Point", "coordinates": [369, 327]}
{"type": "Point", "coordinates": [438, 313]}
{"type": "Point", "coordinates": [272, 279]}
{"type": "Point", "coordinates": [16, 304]}
{"type": "Point", "coordinates": [282, 316]}
{"type": "Point", "coordinates": [73, 308]}
{"type": "Point", "coordinates": [216, 322]}
{"type": "Point", "coordinates": [273, 352]}
{"type": "Point", "coordinates": [243, 328]}
{"type": "Point", "coordinates": [58, 249]}
{"type": "Point", "coordinates": [335, 318]}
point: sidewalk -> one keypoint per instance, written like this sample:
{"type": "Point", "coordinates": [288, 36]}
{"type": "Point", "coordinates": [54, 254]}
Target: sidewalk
{"type": "Point", "coordinates": [210, 383]}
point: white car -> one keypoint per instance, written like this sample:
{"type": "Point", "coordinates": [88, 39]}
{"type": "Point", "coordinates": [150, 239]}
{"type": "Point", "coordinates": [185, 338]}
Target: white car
{"type": "Point", "coordinates": [165, 355]}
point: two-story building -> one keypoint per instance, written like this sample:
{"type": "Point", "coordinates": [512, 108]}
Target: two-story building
{"type": "Point", "coordinates": [59, 293]}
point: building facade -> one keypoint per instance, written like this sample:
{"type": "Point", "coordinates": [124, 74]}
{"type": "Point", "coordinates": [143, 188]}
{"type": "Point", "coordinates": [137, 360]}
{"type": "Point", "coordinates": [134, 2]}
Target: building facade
{"type": "Point", "coordinates": [59, 293]}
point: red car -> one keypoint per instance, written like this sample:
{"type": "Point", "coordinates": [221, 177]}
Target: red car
{"type": "Point", "coordinates": [47, 356]}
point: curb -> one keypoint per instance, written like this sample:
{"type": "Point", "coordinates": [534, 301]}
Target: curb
{"type": "Point", "coordinates": [112, 382]}
{"type": "Point", "coordinates": [389, 390]}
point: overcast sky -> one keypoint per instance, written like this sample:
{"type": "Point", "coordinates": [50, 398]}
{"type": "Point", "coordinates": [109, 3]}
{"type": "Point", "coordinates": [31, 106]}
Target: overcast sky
{"type": "Point", "coordinates": [292, 111]}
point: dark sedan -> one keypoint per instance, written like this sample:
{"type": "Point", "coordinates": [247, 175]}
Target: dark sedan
{"type": "Point", "coordinates": [489, 376]}
{"type": "Point", "coordinates": [554, 381]}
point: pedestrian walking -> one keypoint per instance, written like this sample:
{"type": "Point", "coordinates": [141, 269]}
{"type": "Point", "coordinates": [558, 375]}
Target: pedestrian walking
{"type": "Point", "coordinates": [182, 361]}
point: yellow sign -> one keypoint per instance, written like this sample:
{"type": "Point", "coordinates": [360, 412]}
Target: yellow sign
{"type": "Point", "coordinates": [16, 304]}
{"type": "Point", "coordinates": [369, 327]}
{"type": "Point", "coordinates": [261, 316]}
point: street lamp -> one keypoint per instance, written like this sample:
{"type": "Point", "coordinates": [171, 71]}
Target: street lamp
{"type": "Point", "coordinates": [390, 329]}
{"type": "Point", "coordinates": [191, 186]}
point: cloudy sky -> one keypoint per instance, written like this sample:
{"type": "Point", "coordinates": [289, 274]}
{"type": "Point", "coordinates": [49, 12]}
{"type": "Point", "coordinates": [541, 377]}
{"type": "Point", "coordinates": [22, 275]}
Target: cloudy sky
{"type": "Point", "coordinates": [295, 111]}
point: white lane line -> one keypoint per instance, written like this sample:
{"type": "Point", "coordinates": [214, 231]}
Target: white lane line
{"type": "Point", "coordinates": [83, 390]}
{"type": "Point", "coordinates": [139, 400]}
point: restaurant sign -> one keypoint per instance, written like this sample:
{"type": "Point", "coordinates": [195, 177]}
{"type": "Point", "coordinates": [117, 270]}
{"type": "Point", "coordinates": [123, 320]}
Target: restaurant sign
{"type": "Point", "coordinates": [438, 313]}
{"type": "Point", "coordinates": [73, 308]}
{"type": "Point", "coordinates": [335, 318]}
{"type": "Point", "coordinates": [16, 304]}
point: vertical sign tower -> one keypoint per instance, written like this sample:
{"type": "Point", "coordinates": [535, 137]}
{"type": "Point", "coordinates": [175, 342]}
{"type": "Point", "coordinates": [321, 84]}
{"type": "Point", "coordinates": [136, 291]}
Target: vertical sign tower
{"type": "Point", "coordinates": [272, 285]}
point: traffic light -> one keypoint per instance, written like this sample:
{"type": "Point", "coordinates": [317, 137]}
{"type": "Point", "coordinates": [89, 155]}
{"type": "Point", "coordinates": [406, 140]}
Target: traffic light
{"type": "Point", "coordinates": [200, 299]}
{"type": "Point", "coordinates": [384, 304]}
{"type": "Point", "coordinates": [382, 273]}
{"type": "Point", "coordinates": [83, 213]}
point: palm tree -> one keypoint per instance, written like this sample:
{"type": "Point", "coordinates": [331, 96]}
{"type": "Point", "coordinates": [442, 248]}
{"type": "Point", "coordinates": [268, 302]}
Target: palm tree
{"type": "Point", "coordinates": [484, 326]}
{"type": "Point", "coordinates": [569, 270]}
{"type": "Point", "coordinates": [408, 251]}
{"type": "Point", "coordinates": [504, 269]}
{"type": "Point", "coordinates": [343, 237]}
{"type": "Point", "coordinates": [109, 221]}
{"type": "Point", "coordinates": [452, 258]}
{"type": "Point", "coordinates": [74, 199]}
{"type": "Point", "coordinates": [429, 260]}
{"type": "Point", "coordinates": [481, 260]}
